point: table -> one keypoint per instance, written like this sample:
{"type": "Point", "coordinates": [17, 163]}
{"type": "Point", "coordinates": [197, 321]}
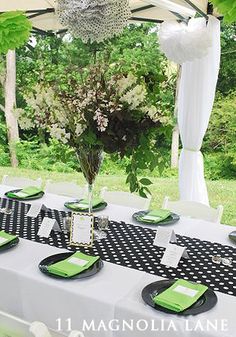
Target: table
{"type": "Point", "coordinates": [113, 296]}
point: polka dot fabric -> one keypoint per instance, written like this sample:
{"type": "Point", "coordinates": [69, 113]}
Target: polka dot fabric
{"type": "Point", "coordinates": [132, 246]}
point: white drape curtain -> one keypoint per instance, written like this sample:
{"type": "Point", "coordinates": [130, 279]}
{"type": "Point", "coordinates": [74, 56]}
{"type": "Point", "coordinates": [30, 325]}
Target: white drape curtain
{"type": "Point", "coordinates": [195, 101]}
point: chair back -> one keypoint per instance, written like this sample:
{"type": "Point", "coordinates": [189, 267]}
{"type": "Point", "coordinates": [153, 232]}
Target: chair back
{"type": "Point", "coordinates": [21, 182]}
{"type": "Point", "coordinates": [68, 189]}
{"type": "Point", "coordinates": [194, 210]}
{"type": "Point", "coordinates": [125, 199]}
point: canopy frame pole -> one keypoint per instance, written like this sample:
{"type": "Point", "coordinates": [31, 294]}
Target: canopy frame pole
{"type": "Point", "coordinates": [197, 9]}
{"type": "Point", "coordinates": [143, 8]}
{"type": "Point", "coordinates": [145, 19]}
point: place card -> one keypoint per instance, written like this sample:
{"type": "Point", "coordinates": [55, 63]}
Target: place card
{"type": "Point", "coordinates": [35, 209]}
{"type": "Point", "coordinates": [173, 255]}
{"type": "Point", "coordinates": [186, 291]}
{"type": "Point", "coordinates": [82, 229]}
{"type": "Point", "coordinates": [47, 225]}
{"type": "Point", "coordinates": [77, 261]}
{"type": "Point", "coordinates": [164, 236]}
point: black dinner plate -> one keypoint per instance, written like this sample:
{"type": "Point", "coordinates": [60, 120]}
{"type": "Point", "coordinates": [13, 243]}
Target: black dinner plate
{"type": "Point", "coordinates": [97, 208]}
{"type": "Point", "coordinates": [173, 218]}
{"type": "Point", "coordinates": [206, 302]}
{"type": "Point", "coordinates": [33, 197]}
{"type": "Point", "coordinates": [94, 269]}
{"type": "Point", "coordinates": [9, 245]}
{"type": "Point", "coordinates": [232, 236]}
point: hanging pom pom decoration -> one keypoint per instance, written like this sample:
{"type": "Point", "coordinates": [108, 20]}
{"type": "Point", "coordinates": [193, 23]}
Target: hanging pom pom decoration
{"type": "Point", "coordinates": [184, 43]}
{"type": "Point", "coordinates": [14, 30]}
{"type": "Point", "coordinates": [94, 20]}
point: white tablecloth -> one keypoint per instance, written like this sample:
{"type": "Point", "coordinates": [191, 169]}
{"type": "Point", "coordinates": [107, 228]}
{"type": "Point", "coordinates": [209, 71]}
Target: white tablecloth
{"type": "Point", "coordinates": [112, 297]}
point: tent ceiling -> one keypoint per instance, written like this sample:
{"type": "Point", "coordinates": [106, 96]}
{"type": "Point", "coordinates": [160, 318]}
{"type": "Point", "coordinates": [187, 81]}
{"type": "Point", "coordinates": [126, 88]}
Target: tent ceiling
{"type": "Point", "coordinates": [43, 17]}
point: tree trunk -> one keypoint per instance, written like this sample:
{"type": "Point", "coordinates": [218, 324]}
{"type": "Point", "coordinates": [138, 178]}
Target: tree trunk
{"type": "Point", "coordinates": [10, 101]}
{"type": "Point", "coordinates": [175, 133]}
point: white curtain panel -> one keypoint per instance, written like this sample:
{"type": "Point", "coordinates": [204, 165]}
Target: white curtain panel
{"type": "Point", "coordinates": [195, 102]}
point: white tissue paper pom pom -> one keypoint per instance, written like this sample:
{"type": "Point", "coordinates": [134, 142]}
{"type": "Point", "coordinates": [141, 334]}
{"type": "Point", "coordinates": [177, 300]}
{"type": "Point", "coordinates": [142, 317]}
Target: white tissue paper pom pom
{"type": "Point", "coordinates": [184, 43]}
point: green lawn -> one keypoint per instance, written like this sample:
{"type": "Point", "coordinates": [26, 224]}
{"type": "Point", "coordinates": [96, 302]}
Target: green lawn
{"type": "Point", "coordinates": [220, 192]}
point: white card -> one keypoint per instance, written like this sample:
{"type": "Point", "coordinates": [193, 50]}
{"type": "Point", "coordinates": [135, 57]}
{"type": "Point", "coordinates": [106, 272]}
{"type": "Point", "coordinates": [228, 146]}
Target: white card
{"type": "Point", "coordinates": [47, 226]}
{"type": "Point", "coordinates": [2, 240]}
{"type": "Point", "coordinates": [77, 261]}
{"type": "Point", "coordinates": [35, 209]}
{"type": "Point", "coordinates": [164, 236]}
{"type": "Point", "coordinates": [173, 254]}
{"type": "Point", "coordinates": [82, 229]}
{"type": "Point", "coordinates": [186, 291]}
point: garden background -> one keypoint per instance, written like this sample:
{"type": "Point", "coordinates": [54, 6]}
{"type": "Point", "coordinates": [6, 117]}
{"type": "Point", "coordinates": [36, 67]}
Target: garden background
{"type": "Point", "coordinates": [51, 58]}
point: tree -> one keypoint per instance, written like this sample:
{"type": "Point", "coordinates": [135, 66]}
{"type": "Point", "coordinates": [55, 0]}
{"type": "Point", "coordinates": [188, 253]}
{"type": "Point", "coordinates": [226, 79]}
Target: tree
{"type": "Point", "coordinates": [10, 101]}
{"type": "Point", "coordinates": [227, 75]}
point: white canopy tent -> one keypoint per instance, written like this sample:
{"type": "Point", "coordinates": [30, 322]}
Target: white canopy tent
{"type": "Point", "coordinates": [43, 17]}
{"type": "Point", "coordinates": [197, 83]}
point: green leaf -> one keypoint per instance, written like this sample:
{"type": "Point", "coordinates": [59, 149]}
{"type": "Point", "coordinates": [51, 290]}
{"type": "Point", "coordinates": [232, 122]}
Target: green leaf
{"type": "Point", "coordinates": [145, 181]}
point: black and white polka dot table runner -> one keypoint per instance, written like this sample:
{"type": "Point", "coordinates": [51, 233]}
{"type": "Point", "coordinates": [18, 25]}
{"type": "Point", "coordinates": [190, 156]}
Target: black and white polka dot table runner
{"type": "Point", "coordinates": [132, 246]}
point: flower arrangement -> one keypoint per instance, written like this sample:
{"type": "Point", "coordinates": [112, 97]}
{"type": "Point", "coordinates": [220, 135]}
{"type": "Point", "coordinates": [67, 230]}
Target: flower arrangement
{"type": "Point", "coordinates": [101, 112]}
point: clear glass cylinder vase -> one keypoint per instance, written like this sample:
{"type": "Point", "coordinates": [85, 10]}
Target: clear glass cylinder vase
{"type": "Point", "coordinates": [90, 159]}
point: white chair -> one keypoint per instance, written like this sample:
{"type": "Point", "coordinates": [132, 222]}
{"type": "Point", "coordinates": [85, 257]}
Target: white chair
{"type": "Point", "coordinates": [125, 199]}
{"type": "Point", "coordinates": [68, 189]}
{"type": "Point", "coordinates": [20, 182]}
{"type": "Point", "coordinates": [194, 210]}
{"type": "Point", "coordinates": [15, 327]}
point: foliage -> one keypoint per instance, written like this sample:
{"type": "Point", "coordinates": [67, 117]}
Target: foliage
{"type": "Point", "coordinates": [221, 135]}
{"type": "Point", "coordinates": [53, 157]}
{"type": "Point", "coordinates": [227, 8]}
{"type": "Point", "coordinates": [227, 75]}
{"type": "Point", "coordinates": [4, 151]}
{"type": "Point", "coordinates": [220, 166]}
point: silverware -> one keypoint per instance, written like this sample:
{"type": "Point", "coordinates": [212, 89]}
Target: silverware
{"type": "Point", "coordinates": [6, 210]}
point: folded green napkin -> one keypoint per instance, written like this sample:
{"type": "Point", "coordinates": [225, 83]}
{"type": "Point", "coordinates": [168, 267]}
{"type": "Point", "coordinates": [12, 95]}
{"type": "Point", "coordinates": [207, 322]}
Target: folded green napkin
{"type": "Point", "coordinates": [156, 216]}
{"type": "Point", "coordinates": [73, 265]}
{"type": "Point", "coordinates": [180, 296]}
{"type": "Point", "coordinates": [83, 203]}
{"type": "Point", "coordinates": [25, 192]}
{"type": "Point", "coordinates": [6, 238]}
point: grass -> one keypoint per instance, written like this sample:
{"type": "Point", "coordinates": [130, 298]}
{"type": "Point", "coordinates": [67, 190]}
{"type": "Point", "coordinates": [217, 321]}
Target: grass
{"type": "Point", "coordinates": [220, 192]}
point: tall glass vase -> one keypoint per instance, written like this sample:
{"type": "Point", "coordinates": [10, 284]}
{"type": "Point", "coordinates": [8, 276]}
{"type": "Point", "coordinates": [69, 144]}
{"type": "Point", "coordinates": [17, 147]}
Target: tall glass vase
{"type": "Point", "coordinates": [90, 159]}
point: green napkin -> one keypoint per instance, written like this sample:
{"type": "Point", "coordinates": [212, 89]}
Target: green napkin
{"type": "Point", "coordinates": [73, 265]}
{"type": "Point", "coordinates": [25, 192]}
{"type": "Point", "coordinates": [156, 216]}
{"type": "Point", "coordinates": [83, 203]}
{"type": "Point", "coordinates": [6, 238]}
{"type": "Point", "coordinates": [180, 296]}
